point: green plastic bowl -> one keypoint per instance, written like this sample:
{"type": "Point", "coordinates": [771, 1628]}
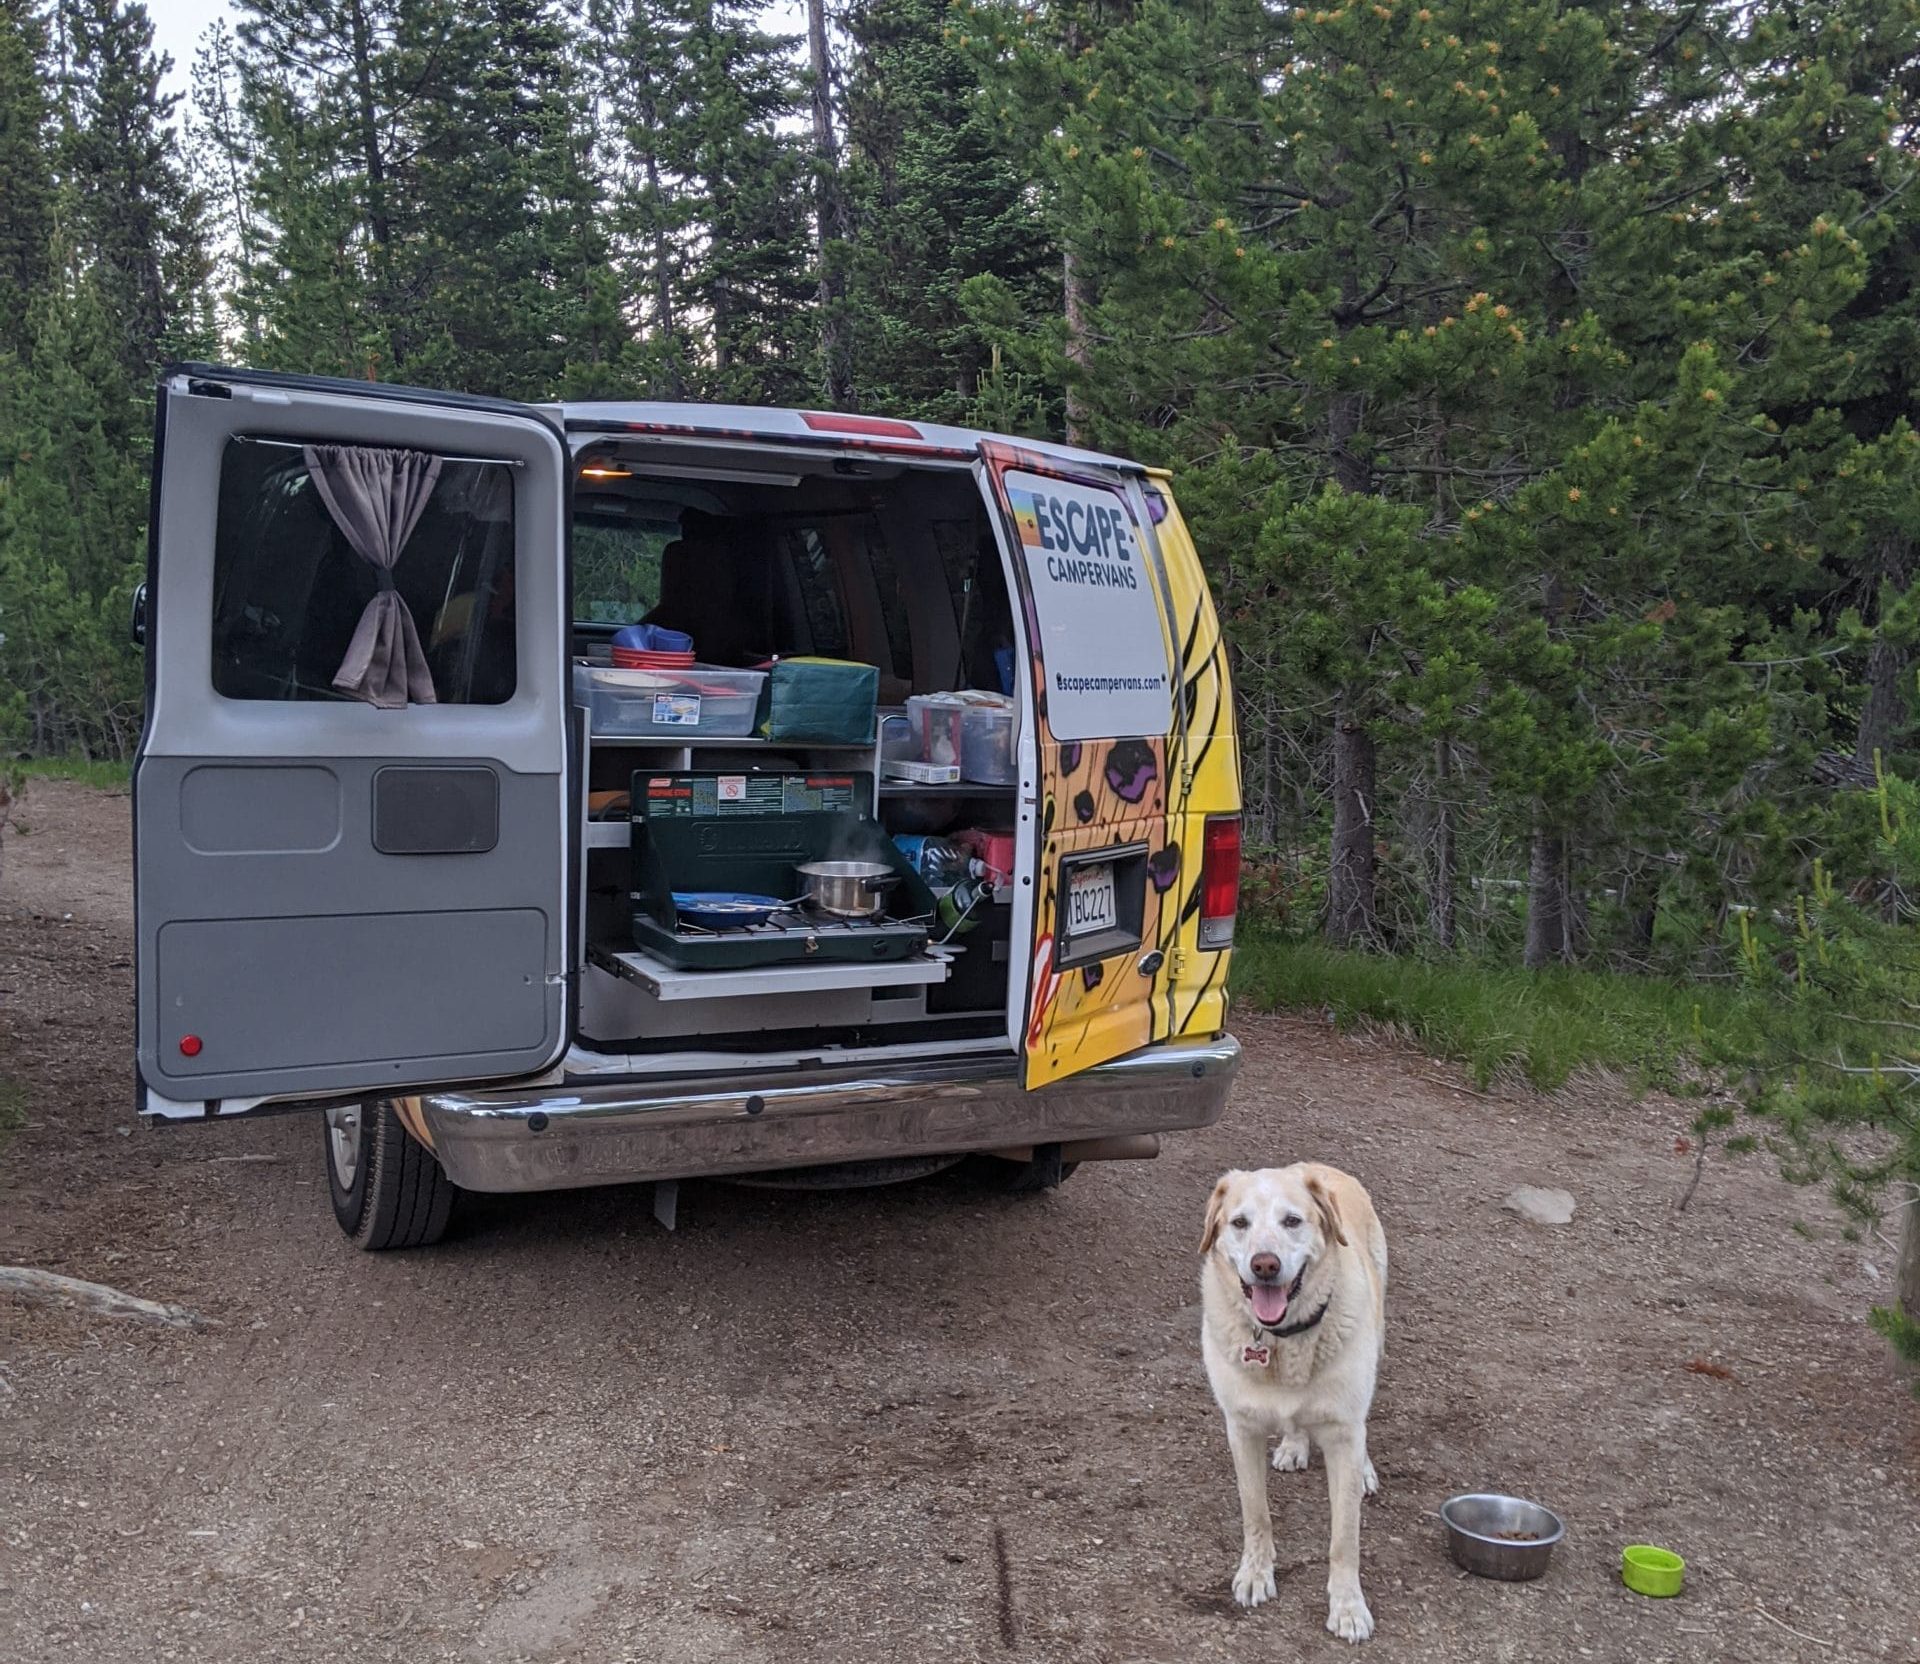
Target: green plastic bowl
{"type": "Point", "coordinates": [1647, 1570]}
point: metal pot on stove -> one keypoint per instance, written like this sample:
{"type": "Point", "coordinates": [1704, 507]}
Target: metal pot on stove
{"type": "Point", "coordinates": [847, 889]}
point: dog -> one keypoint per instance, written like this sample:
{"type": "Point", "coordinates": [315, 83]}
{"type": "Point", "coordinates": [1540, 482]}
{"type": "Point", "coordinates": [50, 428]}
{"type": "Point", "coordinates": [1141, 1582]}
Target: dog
{"type": "Point", "coordinates": [1293, 1291]}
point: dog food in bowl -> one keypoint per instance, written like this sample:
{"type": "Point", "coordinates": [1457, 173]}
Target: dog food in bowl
{"type": "Point", "coordinates": [1507, 1537]}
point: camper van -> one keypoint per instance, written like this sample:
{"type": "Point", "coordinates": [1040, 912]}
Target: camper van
{"type": "Point", "coordinates": [601, 793]}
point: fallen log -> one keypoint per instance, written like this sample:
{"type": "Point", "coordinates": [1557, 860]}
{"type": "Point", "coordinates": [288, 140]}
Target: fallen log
{"type": "Point", "coordinates": [49, 1288]}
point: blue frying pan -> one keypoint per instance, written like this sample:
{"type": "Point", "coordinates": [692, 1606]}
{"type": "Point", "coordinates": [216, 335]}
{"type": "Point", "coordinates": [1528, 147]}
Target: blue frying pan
{"type": "Point", "coordinates": [724, 909]}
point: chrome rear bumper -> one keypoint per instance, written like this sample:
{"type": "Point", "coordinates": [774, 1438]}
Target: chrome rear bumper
{"type": "Point", "coordinates": [556, 1138]}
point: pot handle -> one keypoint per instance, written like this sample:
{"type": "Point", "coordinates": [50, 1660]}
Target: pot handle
{"type": "Point", "coordinates": [885, 881]}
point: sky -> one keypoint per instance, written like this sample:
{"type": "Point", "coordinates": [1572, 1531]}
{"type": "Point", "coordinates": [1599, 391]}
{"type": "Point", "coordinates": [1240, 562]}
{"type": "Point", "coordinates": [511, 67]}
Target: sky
{"type": "Point", "coordinates": [179, 24]}
{"type": "Point", "coordinates": [177, 28]}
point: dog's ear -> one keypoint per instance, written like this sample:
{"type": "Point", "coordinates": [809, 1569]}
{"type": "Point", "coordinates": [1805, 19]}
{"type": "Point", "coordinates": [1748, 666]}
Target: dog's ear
{"type": "Point", "coordinates": [1216, 1212]}
{"type": "Point", "coordinates": [1329, 1211]}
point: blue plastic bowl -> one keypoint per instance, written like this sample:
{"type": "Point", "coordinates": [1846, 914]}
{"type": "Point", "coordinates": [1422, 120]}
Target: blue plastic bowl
{"type": "Point", "coordinates": [653, 638]}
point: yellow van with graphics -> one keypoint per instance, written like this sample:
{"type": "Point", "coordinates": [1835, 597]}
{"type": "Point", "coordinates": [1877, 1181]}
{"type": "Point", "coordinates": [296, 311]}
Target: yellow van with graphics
{"type": "Point", "coordinates": [608, 792]}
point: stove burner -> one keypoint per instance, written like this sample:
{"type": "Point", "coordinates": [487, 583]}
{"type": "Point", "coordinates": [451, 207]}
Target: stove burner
{"type": "Point", "coordinates": [790, 919]}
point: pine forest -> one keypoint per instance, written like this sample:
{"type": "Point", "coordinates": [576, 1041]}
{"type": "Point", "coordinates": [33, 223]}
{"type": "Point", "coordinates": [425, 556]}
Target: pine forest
{"type": "Point", "coordinates": [1538, 376]}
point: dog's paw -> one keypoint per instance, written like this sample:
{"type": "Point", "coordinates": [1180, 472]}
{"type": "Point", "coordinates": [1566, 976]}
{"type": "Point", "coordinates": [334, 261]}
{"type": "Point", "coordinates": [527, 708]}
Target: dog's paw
{"type": "Point", "coordinates": [1290, 1454]}
{"type": "Point", "coordinates": [1348, 1617]}
{"type": "Point", "coordinates": [1369, 1480]}
{"type": "Point", "coordinates": [1253, 1582]}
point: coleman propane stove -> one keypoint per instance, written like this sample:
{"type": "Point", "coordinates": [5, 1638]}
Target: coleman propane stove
{"type": "Point", "coordinates": [706, 843]}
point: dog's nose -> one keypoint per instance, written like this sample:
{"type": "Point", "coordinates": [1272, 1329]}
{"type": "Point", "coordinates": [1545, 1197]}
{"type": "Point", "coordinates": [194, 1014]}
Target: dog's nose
{"type": "Point", "coordinates": [1266, 1267]}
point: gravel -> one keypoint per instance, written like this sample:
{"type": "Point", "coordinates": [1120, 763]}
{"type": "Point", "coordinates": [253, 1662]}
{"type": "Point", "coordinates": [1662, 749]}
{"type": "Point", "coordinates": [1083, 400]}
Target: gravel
{"type": "Point", "coordinates": [923, 1421]}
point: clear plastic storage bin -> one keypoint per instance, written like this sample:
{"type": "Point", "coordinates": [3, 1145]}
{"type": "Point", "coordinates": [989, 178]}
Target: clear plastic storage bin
{"type": "Point", "coordinates": [937, 731]}
{"type": "Point", "coordinates": [986, 741]}
{"type": "Point", "coordinates": [699, 702]}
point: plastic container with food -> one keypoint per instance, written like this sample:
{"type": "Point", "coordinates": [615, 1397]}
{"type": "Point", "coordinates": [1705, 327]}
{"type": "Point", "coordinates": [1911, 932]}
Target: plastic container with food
{"type": "Point", "coordinates": [938, 726]}
{"type": "Point", "coordinates": [698, 702]}
{"type": "Point", "coordinates": [986, 740]}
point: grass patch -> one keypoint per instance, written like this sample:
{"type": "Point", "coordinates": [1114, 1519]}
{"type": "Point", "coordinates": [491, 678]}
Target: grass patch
{"type": "Point", "coordinates": [89, 771]}
{"type": "Point", "coordinates": [1541, 1024]}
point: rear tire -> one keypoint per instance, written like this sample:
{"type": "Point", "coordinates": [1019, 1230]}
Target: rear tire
{"type": "Point", "coordinates": [387, 1189]}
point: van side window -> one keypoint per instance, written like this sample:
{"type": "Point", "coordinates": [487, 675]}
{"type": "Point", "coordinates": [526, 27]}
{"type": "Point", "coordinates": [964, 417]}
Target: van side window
{"type": "Point", "coordinates": [893, 600]}
{"type": "Point", "coordinates": [616, 565]}
{"type": "Point", "coordinates": [289, 590]}
{"type": "Point", "coordinates": [825, 619]}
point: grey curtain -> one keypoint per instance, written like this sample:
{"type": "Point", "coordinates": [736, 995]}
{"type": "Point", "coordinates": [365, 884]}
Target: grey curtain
{"type": "Point", "coordinates": [376, 497]}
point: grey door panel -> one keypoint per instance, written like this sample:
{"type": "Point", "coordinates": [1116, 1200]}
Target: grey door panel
{"type": "Point", "coordinates": [451, 960]}
{"type": "Point", "coordinates": [265, 809]}
{"type": "Point", "coordinates": [331, 898]}
{"type": "Point", "coordinates": [352, 994]}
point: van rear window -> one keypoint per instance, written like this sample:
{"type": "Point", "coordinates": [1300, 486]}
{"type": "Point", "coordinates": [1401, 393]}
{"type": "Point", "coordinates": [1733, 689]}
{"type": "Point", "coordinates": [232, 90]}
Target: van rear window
{"type": "Point", "coordinates": [290, 590]}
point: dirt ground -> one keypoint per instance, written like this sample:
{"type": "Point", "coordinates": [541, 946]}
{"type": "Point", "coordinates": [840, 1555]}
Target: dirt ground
{"type": "Point", "coordinates": [925, 1421]}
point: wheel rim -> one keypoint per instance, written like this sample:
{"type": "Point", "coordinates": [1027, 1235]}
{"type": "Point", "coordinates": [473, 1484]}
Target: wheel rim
{"type": "Point", "coordinates": [343, 1143]}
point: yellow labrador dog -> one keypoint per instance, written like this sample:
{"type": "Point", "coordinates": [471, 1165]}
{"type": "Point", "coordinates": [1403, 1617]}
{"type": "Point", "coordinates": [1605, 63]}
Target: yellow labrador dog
{"type": "Point", "coordinates": [1293, 1287]}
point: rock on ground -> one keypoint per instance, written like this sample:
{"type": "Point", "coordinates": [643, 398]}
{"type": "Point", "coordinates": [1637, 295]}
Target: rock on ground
{"type": "Point", "coordinates": [1541, 1205]}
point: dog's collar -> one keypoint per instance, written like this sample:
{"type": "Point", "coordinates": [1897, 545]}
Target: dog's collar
{"type": "Point", "coordinates": [1299, 1328]}
{"type": "Point", "coordinates": [1286, 1329]}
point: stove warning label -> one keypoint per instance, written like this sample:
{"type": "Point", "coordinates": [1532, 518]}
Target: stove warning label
{"type": "Point", "coordinates": [746, 796]}
{"type": "Point", "coordinates": [812, 794]}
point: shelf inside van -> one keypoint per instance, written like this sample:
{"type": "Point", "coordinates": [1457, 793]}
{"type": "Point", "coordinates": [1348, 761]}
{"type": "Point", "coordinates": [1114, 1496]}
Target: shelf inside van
{"type": "Point", "coordinates": [952, 788]}
{"type": "Point", "coordinates": [671, 982]}
{"type": "Point", "coordinates": [702, 742]}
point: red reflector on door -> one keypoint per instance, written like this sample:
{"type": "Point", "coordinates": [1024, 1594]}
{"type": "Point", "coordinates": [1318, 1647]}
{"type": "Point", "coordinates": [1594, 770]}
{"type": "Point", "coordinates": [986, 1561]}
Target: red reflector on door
{"type": "Point", "coordinates": [1219, 880]}
{"type": "Point", "coordinates": [189, 1045]}
{"type": "Point", "coordinates": [874, 427]}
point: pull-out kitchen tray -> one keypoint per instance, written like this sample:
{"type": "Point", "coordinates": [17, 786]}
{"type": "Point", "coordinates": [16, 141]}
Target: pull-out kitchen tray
{"type": "Point", "coordinates": [749, 834]}
{"type": "Point", "coordinates": [677, 982]}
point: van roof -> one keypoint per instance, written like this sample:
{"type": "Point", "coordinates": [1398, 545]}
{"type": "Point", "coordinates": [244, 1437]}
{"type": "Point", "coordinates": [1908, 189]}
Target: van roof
{"type": "Point", "coordinates": [809, 427]}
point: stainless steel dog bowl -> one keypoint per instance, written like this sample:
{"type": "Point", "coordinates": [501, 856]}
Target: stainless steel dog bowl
{"type": "Point", "coordinates": [1500, 1536]}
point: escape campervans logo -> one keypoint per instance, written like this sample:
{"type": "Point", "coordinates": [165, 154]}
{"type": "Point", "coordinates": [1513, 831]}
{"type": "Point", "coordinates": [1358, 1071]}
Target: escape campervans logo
{"type": "Point", "coordinates": [1102, 644]}
{"type": "Point", "coordinates": [1080, 542]}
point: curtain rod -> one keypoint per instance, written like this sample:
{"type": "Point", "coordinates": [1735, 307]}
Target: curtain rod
{"type": "Point", "coordinates": [301, 445]}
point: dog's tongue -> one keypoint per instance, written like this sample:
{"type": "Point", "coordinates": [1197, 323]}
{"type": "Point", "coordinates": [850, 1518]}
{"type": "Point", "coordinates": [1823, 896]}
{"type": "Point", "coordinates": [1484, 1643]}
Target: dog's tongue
{"type": "Point", "coordinates": [1269, 1302]}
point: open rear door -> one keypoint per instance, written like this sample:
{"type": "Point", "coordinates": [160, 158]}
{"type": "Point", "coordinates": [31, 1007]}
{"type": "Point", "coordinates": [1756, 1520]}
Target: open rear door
{"type": "Point", "coordinates": [350, 847]}
{"type": "Point", "coordinates": [1102, 701]}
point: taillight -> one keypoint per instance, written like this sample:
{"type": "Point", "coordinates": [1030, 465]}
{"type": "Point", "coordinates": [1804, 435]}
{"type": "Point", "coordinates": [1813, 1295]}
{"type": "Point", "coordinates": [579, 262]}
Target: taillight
{"type": "Point", "coordinates": [1219, 880]}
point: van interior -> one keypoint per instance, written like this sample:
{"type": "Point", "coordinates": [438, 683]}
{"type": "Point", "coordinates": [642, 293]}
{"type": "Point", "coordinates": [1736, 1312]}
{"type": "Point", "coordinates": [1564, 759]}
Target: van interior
{"type": "Point", "coordinates": [759, 557]}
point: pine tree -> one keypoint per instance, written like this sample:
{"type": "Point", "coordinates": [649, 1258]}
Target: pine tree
{"type": "Point", "coordinates": [322, 86]}
{"type": "Point", "coordinates": [72, 518]}
{"type": "Point", "coordinates": [653, 217]}
{"type": "Point", "coordinates": [505, 231]}
{"type": "Point", "coordinates": [832, 225]}
{"type": "Point", "coordinates": [138, 225]}
{"type": "Point", "coordinates": [26, 168]}
{"type": "Point", "coordinates": [1830, 179]}
{"type": "Point", "coordinates": [713, 207]}
{"type": "Point", "coordinates": [1475, 263]}
{"type": "Point", "coordinates": [123, 289]}
{"type": "Point", "coordinates": [218, 152]}
{"type": "Point", "coordinates": [940, 204]}
{"type": "Point", "coordinates": [753, 281]}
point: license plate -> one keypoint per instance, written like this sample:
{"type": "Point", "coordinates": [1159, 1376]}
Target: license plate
{"type": "Point", "coordinates": [1091, 900]}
